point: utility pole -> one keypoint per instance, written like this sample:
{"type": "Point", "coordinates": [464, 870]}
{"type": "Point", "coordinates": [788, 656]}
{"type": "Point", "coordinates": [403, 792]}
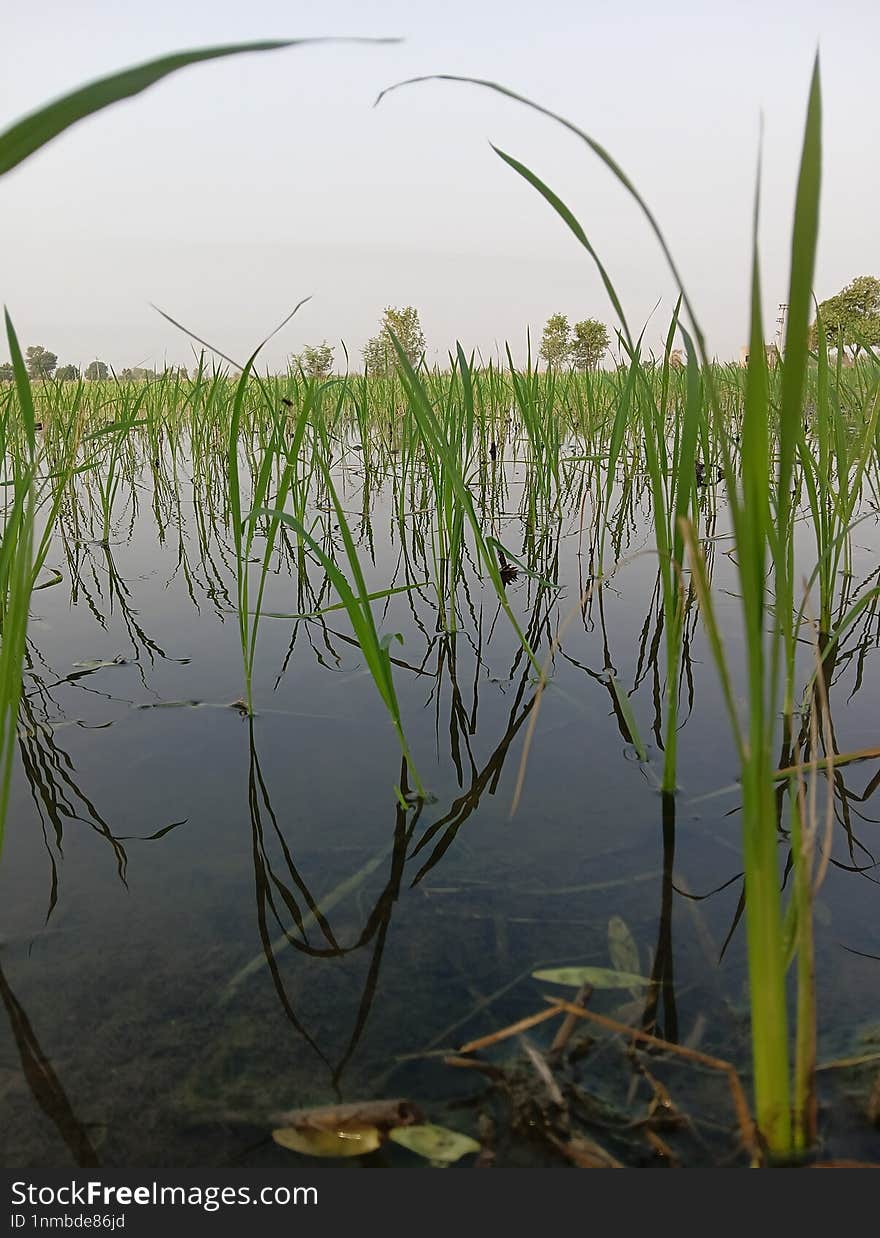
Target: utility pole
{"type": "Point", "coordinates": [780, 324]}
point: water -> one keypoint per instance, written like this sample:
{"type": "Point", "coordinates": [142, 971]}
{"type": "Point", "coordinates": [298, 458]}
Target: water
{"type": "Point", "coordinates": [160, 846]}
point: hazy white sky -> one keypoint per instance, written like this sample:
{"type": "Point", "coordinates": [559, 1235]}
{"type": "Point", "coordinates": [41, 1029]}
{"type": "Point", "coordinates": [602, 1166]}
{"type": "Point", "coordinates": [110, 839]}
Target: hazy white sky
{"type": "Point", "coordinates": [230, 191]}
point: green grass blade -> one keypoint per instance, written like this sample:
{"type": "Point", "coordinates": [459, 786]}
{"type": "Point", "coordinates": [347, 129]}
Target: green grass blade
{"type": "Point", "coordinates": [32, 132]}
{"type": "Point", "coordinates": [630, 719]}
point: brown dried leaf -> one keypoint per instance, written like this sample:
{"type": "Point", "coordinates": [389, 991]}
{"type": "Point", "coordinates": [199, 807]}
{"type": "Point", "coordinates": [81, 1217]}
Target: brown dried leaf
{"type": "Point", "coordinates": [585, 1153]}
{"type": "Point", "coordinates": [383, 1114]}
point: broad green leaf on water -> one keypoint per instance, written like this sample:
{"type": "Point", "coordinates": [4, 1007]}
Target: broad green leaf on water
{"type": "Point", "coordinates": [434, 1143]}
{"type": "Point", "coordinates": [598, 977]}
{"type": "Point", "coordinates": [355, 1142]}
{"type": "Point", "coordinates": [31, 132]}
{"type": "Point", "coordinates": [621, 946]}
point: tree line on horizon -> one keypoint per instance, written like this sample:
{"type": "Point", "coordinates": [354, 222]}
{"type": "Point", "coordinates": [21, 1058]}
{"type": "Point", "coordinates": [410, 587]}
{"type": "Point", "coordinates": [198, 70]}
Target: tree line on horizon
{"type": "Point", "coordinates": [850, 321]}
{"type": "Point", "coordinates": [42, 364]}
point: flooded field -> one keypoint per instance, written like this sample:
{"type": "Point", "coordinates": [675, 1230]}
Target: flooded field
{"type": "Point", "coordinates": [239, 878]}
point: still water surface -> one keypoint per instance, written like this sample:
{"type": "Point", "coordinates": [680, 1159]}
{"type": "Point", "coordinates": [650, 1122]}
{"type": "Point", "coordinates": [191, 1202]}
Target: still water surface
{"type": "Point", "coordinates": [206, 920]}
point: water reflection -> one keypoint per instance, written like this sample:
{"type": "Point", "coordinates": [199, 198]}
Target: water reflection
{"type": "Point", "coordinates": [57, 796]}
{"type": "Point", "coordinates": [44, 1084]}
{"type": "Point", "coordinates": [469, 692]}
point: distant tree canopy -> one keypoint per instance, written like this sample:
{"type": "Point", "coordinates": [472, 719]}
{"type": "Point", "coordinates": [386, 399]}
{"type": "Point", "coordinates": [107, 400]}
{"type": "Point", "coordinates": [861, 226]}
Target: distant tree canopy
{"type": "Point", "coordinates": [852, 318]}
{"type": "Point", "coordinates": [137, 374]}
{"type": "Point", "coordinates": [589, 344]}
{"type": "Point", "coordinates": [556, 341]}
{"type": "Point", "coordinates": [96, 370]}
{"type": "Point", "coordinates": [40, 362]}
{"type": "Point", "coordinates": [315, 360]}
{"type": "Point", "coordinates": [582, 346]}
{"type": "Point", "coordinates": [380, 355]}
{"type": "Point", "coordinates": [7, 373]}
{"type": "Point", "coordinates": [67, 373]}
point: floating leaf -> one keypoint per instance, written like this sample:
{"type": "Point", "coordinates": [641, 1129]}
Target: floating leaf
{"type": "Point", "coordinates": [434, 1143]}
{"type": "Point", "coordinates": [597, 977]}
{"type": "Point", "coordinates": [355, 1115]}
{"type": "Point", "coordinates": [352, 1142]}
{"type": "Point", "coordinates": [95, 664]}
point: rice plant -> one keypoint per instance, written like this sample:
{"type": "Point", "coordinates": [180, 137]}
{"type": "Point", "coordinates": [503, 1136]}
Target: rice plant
{"type": "Point", "coordinates": [762, 512]}
{"type": "Point", "coordinates": [19, 453]}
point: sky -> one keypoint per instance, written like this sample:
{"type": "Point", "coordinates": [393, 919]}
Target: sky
{"type": "Point", "coordinates": [227, 193]}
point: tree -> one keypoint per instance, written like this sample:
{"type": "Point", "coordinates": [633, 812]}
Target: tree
{"type": "Point", "coordinates": [40, 362]}
{"type": "Point", "coordinates": [137, 374]}
{"type": "Point", "coordinates": [96, 370]}
{"type": "Point", "coordinates": [380, 355]}
{"type": "Point", "coordinates": [315, 361]}
{"type": "Point", "coordinates": [589, 344]}
{"type": "Point", "coordinates": [851, 318]}
{"type": "Point", "coordinates": [67, 374]}
{"type": "Point", "coordinates": [555, 342]}
{"type": "Point", "coordinates": [7, 373]}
